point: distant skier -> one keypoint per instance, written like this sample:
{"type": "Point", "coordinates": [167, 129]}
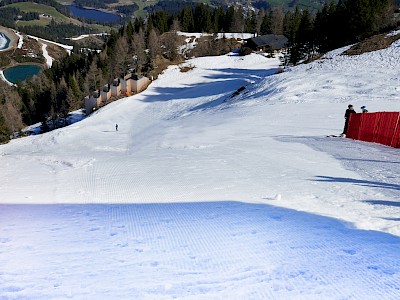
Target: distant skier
{"type": "Point", "coordinates": [364, 109]}
{"type": "Point", "coordinates": [116, 127]}
{"type": "Point", "coordinates": [350, 110]}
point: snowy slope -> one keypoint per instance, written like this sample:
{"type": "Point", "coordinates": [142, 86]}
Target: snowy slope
{"type": "Point", "coordinates": [204, 196]}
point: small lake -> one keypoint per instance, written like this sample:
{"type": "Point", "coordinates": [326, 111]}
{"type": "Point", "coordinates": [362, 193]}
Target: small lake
{"type": "Point", "coordinates": [21, 73]}
{"type": "Point", "coordinates": [4, 41]}
{"type": "Point", "coordinates": [93, 14]}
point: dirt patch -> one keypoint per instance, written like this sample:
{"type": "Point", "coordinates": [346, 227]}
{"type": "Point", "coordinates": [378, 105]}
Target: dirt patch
{"type": "Point", "coordinates": [374, 43]}
{"type": "Point", "coordinates": [57, 53]}
{"type": "Point", "coordinates": [161, 64]}
{"type": "Point", "coordinates": [185, 69]}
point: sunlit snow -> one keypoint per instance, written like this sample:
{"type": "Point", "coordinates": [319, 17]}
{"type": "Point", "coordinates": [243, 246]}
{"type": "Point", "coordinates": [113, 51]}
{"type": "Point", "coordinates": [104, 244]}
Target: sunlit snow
{"type": "Point", "coordinates": [200, 195]}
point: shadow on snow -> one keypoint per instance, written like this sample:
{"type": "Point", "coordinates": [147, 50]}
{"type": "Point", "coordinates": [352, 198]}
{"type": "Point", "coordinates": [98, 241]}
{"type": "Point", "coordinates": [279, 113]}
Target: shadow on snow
{"type": "Point", "coordinates": [232, 245]}
{"type": "Point", "coordinates": [359, 182]}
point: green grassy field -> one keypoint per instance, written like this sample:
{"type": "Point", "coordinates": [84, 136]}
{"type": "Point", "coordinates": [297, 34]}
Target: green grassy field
{"type": "Point", "coordinates": [41, 9]}
{"type": "Point", "coordinates": [51, 11]}
{"type": "Point", "coordinates": [41, 22]}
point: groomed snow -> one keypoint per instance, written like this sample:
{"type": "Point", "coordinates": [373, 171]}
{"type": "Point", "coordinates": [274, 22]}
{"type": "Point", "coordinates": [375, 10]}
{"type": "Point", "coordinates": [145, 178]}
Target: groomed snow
{"type": "Point", "coordinates": [202, 196]}
{"type": "Point", "coordinates": [49, 59]}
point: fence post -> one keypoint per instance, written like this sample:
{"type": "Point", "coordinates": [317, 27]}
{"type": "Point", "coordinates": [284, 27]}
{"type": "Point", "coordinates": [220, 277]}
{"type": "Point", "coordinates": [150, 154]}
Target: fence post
{"type": "Point", "coordinates": [394, 142]}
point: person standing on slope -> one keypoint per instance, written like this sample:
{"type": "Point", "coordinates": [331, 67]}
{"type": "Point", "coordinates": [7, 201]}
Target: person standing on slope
{"type": "Point", "coordinates": [116, 127]}
{"type": "Point", "coordinates": [350, 110]}
{"type": "Point", "coordinates": [364, 109]}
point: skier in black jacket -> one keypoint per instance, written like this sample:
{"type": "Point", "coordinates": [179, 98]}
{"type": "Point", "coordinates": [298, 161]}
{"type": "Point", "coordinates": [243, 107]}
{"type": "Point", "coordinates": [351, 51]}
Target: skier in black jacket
{"type": "Point", "coordinates": [350, 110]}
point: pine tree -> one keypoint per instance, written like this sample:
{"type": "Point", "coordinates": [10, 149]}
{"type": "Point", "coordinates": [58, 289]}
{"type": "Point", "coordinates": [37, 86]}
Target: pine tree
{"type": "Point", "coordinates": [228, 19]}
{"type": "Point", "coordinates": [359, 18]}
{"type": "Point", "coordinates": [218, 19]}
{"type": "Point", "coordinates": [202, 18]}
{"type": "Point", "coordinates": [187, 20]}
{"type": "Point", "coordinates": [251, 22]}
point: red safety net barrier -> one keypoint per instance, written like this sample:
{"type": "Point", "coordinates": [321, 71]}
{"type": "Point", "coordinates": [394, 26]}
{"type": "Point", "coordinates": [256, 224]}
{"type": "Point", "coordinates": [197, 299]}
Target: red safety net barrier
{"type": "Point", "coordinates": [380, 127]}
{"type": "Point", "coordinates": [354, 126]}
{"type": "Point", "coordinates": [369, 127]}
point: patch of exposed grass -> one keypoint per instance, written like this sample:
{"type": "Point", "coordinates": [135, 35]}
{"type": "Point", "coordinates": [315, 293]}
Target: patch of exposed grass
{"type": "Point", "coordinates": [374, 43]}
{"type": "Point", "coordinates": [185, 69]}
{"type": "Point", "coordinates": [41, 22]}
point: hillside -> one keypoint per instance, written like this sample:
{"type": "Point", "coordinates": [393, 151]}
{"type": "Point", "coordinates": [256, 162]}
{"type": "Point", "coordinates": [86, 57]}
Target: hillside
{"type": "Point", "coordinates": [201, 195]}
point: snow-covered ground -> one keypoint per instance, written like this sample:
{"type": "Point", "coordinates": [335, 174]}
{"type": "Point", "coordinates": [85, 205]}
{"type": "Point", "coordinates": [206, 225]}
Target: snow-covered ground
{"type": "Point", "coordinates": [83, 36]}
{"type": "Point", "coordinates": [68, 48]}
{"type": "Point", "coordinates": [20, 39]}
{"type": "Point", "coordinates": [49, 59]}
{"type": "Point", "coordinates": [3, 77]}
{"type": "Point", "coordinates": [3, 41]}
{"type": "Point", "coordinates": [191, 38]}
{"type": "Point", "coordinates": [202, 196]}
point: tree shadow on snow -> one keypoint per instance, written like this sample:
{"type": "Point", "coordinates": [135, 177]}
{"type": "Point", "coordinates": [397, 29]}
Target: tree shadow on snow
{"type": "Point", "coordinates": [225, 85]}
{"type": "Point", "coordinates": [359, 182]}
{"type": "Point", "coordinates": [386, 203]}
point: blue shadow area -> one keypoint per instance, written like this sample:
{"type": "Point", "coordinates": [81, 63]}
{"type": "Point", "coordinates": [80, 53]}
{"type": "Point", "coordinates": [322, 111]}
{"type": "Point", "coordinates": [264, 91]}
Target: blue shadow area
{"type": "Point", "coordinates": [385, 203]}
{"type": "Point", "coordinates": [367, 183]}
{"type": "Point", "coordinates": [200, 249]}
{"type": "Point", "coordinates": [233, 78]}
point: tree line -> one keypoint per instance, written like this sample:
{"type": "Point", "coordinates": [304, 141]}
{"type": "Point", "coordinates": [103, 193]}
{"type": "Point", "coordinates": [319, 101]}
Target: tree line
{"type": "Point", "coordinates": [335, 25]}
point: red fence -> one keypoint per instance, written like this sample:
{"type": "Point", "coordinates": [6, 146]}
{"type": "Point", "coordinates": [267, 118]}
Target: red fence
{"type": "Point", "coordinates": [380, 127]}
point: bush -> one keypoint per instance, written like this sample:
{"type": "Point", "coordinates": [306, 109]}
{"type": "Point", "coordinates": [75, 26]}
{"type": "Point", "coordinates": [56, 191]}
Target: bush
{"type": "Point", "coordinates": [245, 51]}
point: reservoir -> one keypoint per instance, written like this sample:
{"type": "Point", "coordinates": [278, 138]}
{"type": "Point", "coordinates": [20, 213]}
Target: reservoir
{"type": "Point", "coordinates": [21, 73]}
{"type": "Point", "coordinates": [93, 14]}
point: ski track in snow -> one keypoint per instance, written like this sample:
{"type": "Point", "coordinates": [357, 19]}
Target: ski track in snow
{"type": "Point", "coordinates": [219, 197]}
{"type": "Point", "coordinates": [163, 251]}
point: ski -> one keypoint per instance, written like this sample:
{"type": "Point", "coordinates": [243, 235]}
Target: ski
{"type": "Point", "coordinates": [335, 135]}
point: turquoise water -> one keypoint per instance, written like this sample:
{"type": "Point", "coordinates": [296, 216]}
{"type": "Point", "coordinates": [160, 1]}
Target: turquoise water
{"type": "Point", "coordinates": [21, 73]}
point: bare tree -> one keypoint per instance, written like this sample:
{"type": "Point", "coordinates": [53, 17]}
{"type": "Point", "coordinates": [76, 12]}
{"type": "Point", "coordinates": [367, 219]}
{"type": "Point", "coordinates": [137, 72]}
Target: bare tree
{"type": "Point", "coordinates": [153, 44]}
{"type": "Point", "coordinates": [238, 21]}
{"type": "Point", "coordinates": [10, 115]}
{"type": "Point", "coordinates": [170, 45]}
{"type": "Point", "coordinates": [176, 25]}
{"type": "Point", "coordinates": [260, 17]}
{"type": "Point", "coordinates": [137, 52]}
{"type": "Point", "coordinates": [277, 17]}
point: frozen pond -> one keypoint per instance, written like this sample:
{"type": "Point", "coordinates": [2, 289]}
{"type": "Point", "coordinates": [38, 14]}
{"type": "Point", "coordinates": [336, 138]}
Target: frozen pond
{"type": "Point", "coordinates": [4, 41]}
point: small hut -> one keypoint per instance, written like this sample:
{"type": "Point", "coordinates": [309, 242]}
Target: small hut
{"type": "Point", "coordinates": [267, 43]}
{"type": "Point", "coordinates": [92, 102]}
{"type": "Point", "coordinates": [116, 87]}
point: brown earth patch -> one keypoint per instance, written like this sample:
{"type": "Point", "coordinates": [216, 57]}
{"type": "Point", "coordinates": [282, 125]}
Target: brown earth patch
{"type": "Point", "coordinates": [185, 69]}
{"type": "Point", "coordinates": [374, 43]}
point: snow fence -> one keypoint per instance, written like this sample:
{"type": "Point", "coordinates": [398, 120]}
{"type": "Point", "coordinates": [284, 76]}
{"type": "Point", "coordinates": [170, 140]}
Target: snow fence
{"type": "Point", "coordinates": [379, 127]}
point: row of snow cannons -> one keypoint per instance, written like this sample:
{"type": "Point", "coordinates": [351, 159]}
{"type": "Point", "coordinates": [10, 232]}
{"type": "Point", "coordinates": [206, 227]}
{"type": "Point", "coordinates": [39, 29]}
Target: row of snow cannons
{"type": "Point", "coordinates": [379, 127]}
